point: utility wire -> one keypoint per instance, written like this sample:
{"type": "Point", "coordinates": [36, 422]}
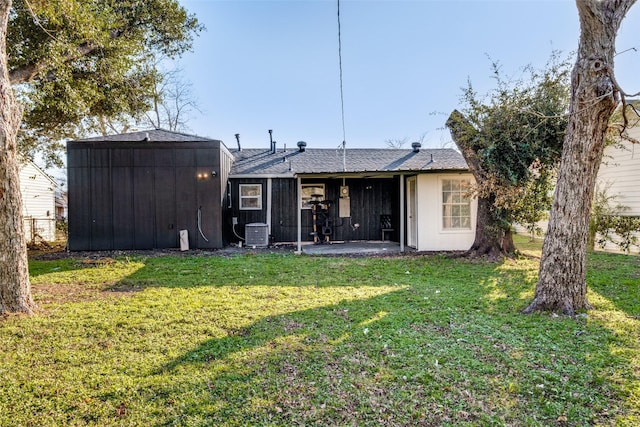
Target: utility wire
{"type": "Point", "coordinates": [344, 133]}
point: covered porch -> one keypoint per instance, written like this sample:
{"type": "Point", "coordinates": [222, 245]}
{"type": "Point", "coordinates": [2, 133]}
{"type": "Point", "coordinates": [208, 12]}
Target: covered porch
{"type": "Point", "coordinates": [356, 211]}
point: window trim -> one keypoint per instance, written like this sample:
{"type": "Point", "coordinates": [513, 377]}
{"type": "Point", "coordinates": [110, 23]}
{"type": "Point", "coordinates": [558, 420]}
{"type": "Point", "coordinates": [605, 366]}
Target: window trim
{"type": "Point", "coordinates": [242, 198]}
{"type": "Point", "coordinates": [466, 201]}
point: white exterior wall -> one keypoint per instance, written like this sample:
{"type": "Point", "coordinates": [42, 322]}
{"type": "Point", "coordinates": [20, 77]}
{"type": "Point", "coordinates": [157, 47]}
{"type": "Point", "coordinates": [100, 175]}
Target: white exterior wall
{"type": "Point", "coordinates": [620, 171]}
{"type": "Point", "coordinates": [430, 234]}
{"type": "Point", "coordinates": [38, 202]}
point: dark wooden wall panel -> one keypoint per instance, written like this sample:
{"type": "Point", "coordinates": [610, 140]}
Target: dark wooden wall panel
{"type": "Point", "coordinates": [142, 157]}
{"type": "Point", "coordinates": [370, 198]}
{"type": "Point", "coordinates": [100, 208]}
{"type": "Point", "coordinates": [185, 158]}
{"type": "Point", "coordinates": [79, 202]}
{"type": "Point", "coordinates": [99, 158]}
{"type": "Point", "coordinates": [164, 157]}
{"type": "Point", "coordinates": [208, 198]}
{"type": "Point", "coordinates": [143, 207]}
{"type": "Point", "coordinates": [165, 207]}
{"type": "Point", "coordinates": [284, 215]}
{"type": "Point", "coordinates": [123, 211]}
{"type": "Point", "coordinates": [186, 201]}
{"type": "Point", "coordinates": [121, 157]}
{"type": "Point", "coordinates": [126, 195]}
{"type": "Point", "coordinates": [77, 157]}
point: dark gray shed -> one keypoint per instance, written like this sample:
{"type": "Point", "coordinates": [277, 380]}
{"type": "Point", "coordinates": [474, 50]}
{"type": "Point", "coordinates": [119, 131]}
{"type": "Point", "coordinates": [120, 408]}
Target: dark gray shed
{"type": "Point", "coordinates": [138, 190]}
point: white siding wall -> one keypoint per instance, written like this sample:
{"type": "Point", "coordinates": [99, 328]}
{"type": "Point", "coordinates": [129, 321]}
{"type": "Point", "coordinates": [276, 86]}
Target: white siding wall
{"type": "Point", "coordinates": [38, 202]}
{"type": "Point", "coordinates": [431, 235]}
{"type": "Point", "coordinates": [621, 170]}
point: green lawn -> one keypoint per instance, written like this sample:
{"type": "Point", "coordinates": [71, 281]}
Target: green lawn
{"type": "Point", "coordinates": [285, 340]}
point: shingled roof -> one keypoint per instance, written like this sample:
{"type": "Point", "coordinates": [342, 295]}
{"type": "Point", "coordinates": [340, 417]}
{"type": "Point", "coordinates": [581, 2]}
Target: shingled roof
{"type": "Point", "coordinates": [155, 135]}
{"type": "Point", "coordinates": [330, 161]}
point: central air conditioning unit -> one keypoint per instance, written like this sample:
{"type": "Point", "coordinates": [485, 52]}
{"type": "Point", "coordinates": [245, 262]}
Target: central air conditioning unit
{"type": "Point", "coordinates": [256, 234]}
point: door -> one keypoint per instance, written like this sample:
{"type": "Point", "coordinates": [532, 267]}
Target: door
{"type": "Point", "coordinates": [412, 229]}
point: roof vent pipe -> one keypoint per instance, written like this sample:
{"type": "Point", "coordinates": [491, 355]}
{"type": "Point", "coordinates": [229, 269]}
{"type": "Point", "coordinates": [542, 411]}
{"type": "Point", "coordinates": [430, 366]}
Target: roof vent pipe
{"type": "Point", "coordinates": [146, 136]}
{"type": "Point", "coordinates": [302, 146]}
{"type": "Point", "coordinates": [238, 139]}
{"type": "Point", "coordinates": [416, 146]}
{"type": "Point", "coordinates": [272, 142]}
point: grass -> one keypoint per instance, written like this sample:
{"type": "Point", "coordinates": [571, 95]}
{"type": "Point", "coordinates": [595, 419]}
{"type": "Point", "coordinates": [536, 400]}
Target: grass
{"type": "Point", "coordinates": [285, 340]}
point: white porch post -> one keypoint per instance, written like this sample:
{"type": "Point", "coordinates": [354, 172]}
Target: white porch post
{"type": "Point", "coordinates": [299, 209]}
{"type": "Point", "coordinates": [402, 214]}
{"type": "Point", "coordinates": [269, 203]}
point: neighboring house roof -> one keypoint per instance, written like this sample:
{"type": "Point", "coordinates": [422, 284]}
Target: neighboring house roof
{"type": "Point", "coordinates": [331, 161]}
{"type": "Point", "coordinates": [25, 165]}
{"type": "Point", "coordinates": [154, 135]}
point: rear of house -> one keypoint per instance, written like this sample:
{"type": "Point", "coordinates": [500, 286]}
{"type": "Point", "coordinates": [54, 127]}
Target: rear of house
{"type": "Point", "coordinates": [416, 197]}
{"type": "Point", "coordinates": [141, 190]}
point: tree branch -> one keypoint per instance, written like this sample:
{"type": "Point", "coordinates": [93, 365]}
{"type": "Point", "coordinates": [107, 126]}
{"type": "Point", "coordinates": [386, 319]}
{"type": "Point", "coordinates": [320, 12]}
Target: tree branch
{"type": "Point", "coordinates": [30, 72]}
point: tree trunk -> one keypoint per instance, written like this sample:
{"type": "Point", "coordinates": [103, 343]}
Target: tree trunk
{"type": "Point", "coordinates": [15, 290]}
{"type": "Point", "coordinates": [562, 277]}
{"type": "Point", "coordinates": [492, 239]}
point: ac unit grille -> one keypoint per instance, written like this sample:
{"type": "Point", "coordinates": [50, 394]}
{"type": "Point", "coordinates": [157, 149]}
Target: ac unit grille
{"type": "Point", "coordinates": [256, 234]}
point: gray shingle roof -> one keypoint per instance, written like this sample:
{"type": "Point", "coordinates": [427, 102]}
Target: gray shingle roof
{"type": "Point", "coordinates": [320, 161]}
{"type": "Point", "coordinates": [155, 135]}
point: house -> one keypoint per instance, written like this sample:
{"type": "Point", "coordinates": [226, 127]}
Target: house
{"type": "Point", "coordinates": [619, 174]}
{"type": "Point", "coordinates": [38, 203]}
{"type": "Point", "coordinates": [416, 196]}
{"type": "Point", "coordinates": [138, 190]}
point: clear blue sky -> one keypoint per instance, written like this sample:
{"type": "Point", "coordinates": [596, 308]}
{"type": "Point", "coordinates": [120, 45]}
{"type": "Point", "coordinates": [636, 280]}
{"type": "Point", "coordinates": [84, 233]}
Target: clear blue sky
{"type": "Point", "coordinates": [267, 64]}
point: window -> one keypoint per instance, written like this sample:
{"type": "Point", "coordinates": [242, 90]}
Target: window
{"type": "Point", "coordinates": [311, 192]}
{"type": "Point", "coordinates": [456, 205]}
{"type": "Point", "coordinates": [250, 196]}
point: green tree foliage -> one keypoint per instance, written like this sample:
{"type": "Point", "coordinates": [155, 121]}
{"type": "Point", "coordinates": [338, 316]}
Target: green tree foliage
{"type": "Point", "coordinates": [513, 136]}
{"type": "Point", "coordinates": [76, 63]}
{"type": "Point", "coordinates": [609, 224]}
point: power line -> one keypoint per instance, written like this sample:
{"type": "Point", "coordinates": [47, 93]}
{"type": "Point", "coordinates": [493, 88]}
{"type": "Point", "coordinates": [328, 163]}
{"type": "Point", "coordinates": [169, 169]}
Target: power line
{"type": "Point", "coordinates": [344, 133]}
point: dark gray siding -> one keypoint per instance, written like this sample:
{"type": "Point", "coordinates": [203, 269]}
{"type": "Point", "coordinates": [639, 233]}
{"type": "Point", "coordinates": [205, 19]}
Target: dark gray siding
{"type": "Point", "coordinates": [139, 195]}
{"type": "Point", "coordinates": [370, 198]}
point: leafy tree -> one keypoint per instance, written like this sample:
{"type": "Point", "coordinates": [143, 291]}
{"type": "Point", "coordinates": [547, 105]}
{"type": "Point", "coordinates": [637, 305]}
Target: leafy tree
{"type": "Point", "coordinates": [512, 142]}
{"type": "Point", "coordinates": [70, 62]}
{"type": "Point", "coordinates": [607, 217]}
{"type": "Point", "coordinates": [595, 95]}
{"type": "Point", "coordinates": [76, 63]}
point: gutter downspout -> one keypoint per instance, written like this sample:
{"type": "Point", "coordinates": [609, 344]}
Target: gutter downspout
{"type": "Point", "coordinates": [299, 209]}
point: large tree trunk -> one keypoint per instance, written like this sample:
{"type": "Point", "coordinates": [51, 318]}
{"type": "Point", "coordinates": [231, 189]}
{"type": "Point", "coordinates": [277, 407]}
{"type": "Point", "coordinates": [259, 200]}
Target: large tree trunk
{"type": "Point", "coordinates": [493, 239]}
{"type": "Point", "coordinates": [15, 290]}
{"type": "Point", "coordinates": [594, 96]}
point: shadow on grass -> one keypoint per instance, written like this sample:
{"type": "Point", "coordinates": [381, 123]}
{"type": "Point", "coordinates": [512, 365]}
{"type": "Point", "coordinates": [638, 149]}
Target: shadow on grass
{"type": "Point", "coordinates": [441, 351]}
{"type": "Point", "coordinates": [617, 278]}
{"type": "Point", "coordinates": [435, 341]}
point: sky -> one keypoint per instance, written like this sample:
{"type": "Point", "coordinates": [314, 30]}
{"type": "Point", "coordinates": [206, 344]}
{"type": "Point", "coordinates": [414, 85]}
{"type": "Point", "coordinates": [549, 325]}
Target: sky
{"type": "Point", "coordinates": [266, 64]}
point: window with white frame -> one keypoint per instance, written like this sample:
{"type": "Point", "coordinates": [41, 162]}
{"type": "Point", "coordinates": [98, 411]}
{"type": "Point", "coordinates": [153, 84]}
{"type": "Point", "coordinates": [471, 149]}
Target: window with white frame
{"type": "Point", "coordinates": [250, 196]}
{"type": "Point", "coordinates": [456, 205]}
{"type": "Point", "coordinates": [311, 192]}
